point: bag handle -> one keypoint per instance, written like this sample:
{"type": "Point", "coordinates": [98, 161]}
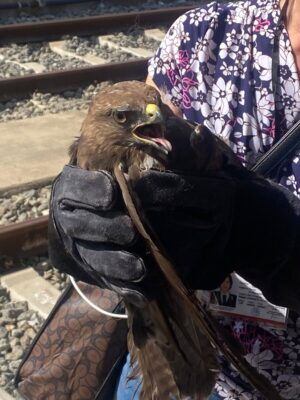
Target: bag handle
{"type": "Point", "coordinates": [285, 146]}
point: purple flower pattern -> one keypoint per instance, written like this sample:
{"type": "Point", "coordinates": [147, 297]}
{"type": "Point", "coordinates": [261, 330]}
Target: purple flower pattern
{"type": "Point", "coordinates": [215, 63]}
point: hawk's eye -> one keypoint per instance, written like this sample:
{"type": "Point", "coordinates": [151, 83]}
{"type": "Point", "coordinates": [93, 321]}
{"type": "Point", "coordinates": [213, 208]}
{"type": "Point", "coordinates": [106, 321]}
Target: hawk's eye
{"type": "Point", "coordinates": [120, 117]}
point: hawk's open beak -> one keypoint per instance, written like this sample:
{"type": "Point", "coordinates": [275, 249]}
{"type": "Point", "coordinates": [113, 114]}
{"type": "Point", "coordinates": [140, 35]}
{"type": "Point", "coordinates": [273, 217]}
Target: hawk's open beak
{"type": "Point", "coordinates": [151, 130]}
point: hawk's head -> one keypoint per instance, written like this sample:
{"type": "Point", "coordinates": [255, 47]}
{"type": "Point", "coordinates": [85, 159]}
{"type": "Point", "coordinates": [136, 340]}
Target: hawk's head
{"type": "Point", "coordinates": [125, 124]}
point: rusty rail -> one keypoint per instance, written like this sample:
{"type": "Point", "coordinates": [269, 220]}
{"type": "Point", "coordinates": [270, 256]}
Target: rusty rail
{"type": "Point", "coordinates": [71, 79]}
{"type": "Point", "coordinates": [30, 237]}
{"type": "Point", "coordinates": [24, 238]}
{"type": "Point", "coordinates": [59, 81]}
{"type": "Point", "coordinates": [103, 24]}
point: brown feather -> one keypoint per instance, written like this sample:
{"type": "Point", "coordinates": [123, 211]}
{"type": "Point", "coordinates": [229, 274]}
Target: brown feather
{"type": "Point", "coordinates": [208, 326]}
{"type": "Point", "coordinates": [169, 338]}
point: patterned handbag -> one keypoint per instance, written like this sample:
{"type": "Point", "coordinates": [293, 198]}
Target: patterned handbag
{"type": "Point", "coordinates": [78, 352]}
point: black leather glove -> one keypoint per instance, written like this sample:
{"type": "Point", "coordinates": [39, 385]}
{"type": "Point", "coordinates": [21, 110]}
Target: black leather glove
{"type": "Point", "coordinates": [216, 224]}
{"type": "Point", "coordinates": [225, 222]}
{"type": "Point", "coordinates": [89, 231]}
{"type": "Point", "coordinates": [88, 225]}
{"type": "Point", "coordinates": [209, 226]}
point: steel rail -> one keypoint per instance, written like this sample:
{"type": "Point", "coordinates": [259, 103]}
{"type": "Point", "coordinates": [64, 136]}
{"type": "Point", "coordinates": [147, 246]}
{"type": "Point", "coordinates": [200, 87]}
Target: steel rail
{"type": "Point", "coordinates": [21, 5]}
{"type": "Point", "coordinates": [103, 24]}
{"type": "Point", "coordinates": [24, 238]}
{"type": "Point", "coordinates": [53, 82]}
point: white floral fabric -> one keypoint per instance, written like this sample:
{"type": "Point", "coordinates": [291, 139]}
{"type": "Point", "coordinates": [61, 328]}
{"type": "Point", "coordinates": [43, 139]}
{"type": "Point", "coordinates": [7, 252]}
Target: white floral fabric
{"type": "Point", "coordinates": [215, 63]}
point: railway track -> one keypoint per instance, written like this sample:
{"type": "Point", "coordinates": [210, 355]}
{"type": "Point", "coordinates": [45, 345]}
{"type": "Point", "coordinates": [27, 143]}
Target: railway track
{"type": "Point", "coordinates": [7, 5]}
{"type": "Point", "coordinates": [53, 82]}
{"type": "Point", "coordinates": [24, 238]}
{"type": "Point", "coordinates": [29, 287]}
{"type": "Point", "coordinates": [23, 245]}
{"type": "Point", "coordinates": [97, 25]}
{"type": "Point", "coordinates": [20, 11]}
{"type": "Point", "coordinates": [30, 237]}
{"type": "Point", "coordinates": [93, 69]}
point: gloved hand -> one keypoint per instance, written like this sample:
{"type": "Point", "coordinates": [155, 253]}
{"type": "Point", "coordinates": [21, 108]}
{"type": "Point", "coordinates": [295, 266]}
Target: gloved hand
{"type": "Point", "coordinates": [88, 225]}
{"type": "Point", "coordinates": [89, 231]}
{"type": "Point", "coordinates": [223, 222]}
{"type": "Point", "coordinates": [209, 226]}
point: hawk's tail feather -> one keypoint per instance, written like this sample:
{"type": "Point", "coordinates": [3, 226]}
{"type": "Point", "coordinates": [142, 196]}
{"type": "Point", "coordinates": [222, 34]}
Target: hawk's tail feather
{"type": "Point", "coordinates": [149, 362]}
{"type": "Point", "coordinates": [172, 357]}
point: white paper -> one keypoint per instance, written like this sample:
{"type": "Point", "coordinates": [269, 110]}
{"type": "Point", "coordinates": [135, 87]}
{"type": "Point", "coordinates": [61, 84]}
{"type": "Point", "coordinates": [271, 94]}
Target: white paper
{"type": "Point", "coordinates": [242, 300]}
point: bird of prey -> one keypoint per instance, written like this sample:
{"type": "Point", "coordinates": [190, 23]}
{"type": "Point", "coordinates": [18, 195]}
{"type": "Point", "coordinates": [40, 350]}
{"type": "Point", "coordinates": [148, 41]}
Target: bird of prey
{"type": "Point", "coordinates": [128, 124]}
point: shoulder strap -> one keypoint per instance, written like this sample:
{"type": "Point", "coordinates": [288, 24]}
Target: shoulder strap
{"type": "Point", "coordinates": [281, 150]}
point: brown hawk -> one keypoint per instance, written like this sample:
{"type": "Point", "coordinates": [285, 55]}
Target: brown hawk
{"type": "Point", "coordinates": [128, 124]}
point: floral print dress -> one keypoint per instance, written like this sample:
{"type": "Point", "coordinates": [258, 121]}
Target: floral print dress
{"type": "Point", "coordinates": [215, 63]}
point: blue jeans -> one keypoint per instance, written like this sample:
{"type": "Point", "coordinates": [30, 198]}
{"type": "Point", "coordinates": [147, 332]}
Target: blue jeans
{"type": "Point", "coordinates": [128, 390]}
{"type": "Point", "coordinates": [131, 390]}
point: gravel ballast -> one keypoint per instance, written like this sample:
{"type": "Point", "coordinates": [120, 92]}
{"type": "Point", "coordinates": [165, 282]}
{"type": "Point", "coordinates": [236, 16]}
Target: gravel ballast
{"type": "Point", "coordinates": [23, 206]}
{"type": "Point", "coordinates": [10, 70]}
{"type": "Point", "coordinates": [42, 103]}
{"type": "Point", "coordinates": [82, 46]}
{"type": "Point", "coordinates": [18, 324]}
{"type": "Point", "coordinates": [40, 53]}
{"type": "Point", "coordinates": [13, 56]}
{"type": "Point", "coordinates": [102, 7]}
{"type": "Point", "coordinates": [135, 38]}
